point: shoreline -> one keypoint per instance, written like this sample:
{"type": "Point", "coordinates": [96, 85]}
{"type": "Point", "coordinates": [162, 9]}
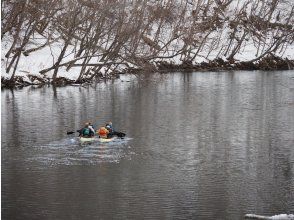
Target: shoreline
{"type": "Point", "coordinates": [269, 63]}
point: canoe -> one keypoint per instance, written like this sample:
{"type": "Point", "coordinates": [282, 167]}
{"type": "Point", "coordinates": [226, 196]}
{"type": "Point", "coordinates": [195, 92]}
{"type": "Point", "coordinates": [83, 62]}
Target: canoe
{"type": "Point", "coordinates": [87, 139]}
{"type": "Point", "coordinates": [106, 140]}
{"type": "Point", "coordinates": [101, 140]}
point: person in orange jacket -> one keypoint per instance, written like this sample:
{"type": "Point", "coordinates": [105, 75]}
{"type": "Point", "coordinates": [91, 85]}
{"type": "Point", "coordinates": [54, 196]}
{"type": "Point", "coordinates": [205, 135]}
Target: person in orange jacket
{"type": "Point", "coordinates": [102, 132]}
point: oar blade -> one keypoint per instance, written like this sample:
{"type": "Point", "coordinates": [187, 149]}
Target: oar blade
{"type": "Point", "coordinates": [120, 134]}
{"type": "Point", "coordinates": [70, 132]}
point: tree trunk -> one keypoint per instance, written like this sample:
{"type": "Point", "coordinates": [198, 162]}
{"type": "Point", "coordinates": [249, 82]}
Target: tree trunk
{"type": "Point", "coordinates": [56, 65]}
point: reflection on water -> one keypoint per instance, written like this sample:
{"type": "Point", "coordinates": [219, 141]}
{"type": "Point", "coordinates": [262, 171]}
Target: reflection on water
{"type": "Point", "coordinates": [199, 146]}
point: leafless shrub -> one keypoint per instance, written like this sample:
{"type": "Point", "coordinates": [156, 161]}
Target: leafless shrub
{"type": "Point", "coordinates": [138, 33]}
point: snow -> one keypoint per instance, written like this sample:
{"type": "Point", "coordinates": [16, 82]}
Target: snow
{"type": "Point", "coordinates": [282, 217]}
{"type": "Point", "coordinates": [275, 217]}
{"type": "Point", "coordinates": [39, 60]}
{"type": "Point", "coordinates": [215, 46]}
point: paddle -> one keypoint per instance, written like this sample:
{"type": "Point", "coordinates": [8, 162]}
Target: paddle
{"type": "Point", "coordinates": [119, 134]}
{"type": "Point", "coordinates": [116, 133]}
{"type": "Point", "coordinates": [72, 132]}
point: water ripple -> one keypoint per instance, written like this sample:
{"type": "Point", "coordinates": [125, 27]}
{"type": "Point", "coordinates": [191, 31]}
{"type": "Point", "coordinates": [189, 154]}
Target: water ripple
{"type": "Point", "coordinates": [71, 152]}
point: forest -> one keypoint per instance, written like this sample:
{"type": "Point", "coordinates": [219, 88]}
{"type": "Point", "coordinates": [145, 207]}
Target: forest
{"type": "Point", "coordinates": [76, 41]}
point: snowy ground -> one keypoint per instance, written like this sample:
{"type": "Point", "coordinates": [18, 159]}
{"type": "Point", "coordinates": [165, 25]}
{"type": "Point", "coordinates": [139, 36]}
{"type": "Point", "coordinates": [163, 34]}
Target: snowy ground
{"type": "Point", "coordinates": [45, 58]}
{"type": "Point", "coordinates": [216, 45]}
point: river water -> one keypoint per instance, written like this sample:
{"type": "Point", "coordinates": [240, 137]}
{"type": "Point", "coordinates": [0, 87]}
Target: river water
{"type": "Point", "coordinates": [198, 146]}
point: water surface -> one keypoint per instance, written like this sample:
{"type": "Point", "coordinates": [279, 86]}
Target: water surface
{"type": "Point", "coordinates": [198, 146]}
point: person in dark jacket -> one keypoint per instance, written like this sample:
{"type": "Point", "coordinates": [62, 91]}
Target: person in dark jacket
{"type": "Point", "coordinates": [87, 131]}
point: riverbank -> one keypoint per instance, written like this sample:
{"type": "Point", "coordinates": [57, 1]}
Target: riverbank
{"type": "Point", "coordinates": [30, 80]}
{"type": "Point", "coordinates": [271, 62]}
{"type": "Point", "coordinates": [268, 63]}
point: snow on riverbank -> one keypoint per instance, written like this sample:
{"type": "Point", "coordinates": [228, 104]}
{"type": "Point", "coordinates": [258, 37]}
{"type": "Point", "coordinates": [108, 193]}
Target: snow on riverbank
{"type": "Point", "coordinates": [171, 32]}
{"type": "Point", "coordinates": [38, 60]}
{"type": "Point", "coordinates": [45, 58]}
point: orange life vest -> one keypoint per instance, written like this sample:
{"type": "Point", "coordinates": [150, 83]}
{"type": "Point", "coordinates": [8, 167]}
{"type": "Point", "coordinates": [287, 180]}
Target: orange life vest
{"type": "Point", "coordinates": [102, 132]}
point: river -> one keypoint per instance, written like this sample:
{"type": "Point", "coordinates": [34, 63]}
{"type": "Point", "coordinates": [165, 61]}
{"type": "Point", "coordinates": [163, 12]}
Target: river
{"type": "Point", "coordinates": [213, 145]}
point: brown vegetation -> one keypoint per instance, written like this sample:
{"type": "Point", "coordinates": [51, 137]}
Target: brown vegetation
{"type": "Point", "coordinates": [148, 34]}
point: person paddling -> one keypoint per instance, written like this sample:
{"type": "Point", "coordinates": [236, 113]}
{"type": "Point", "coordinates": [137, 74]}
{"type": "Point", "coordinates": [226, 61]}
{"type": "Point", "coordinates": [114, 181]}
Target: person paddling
{"type": "Point", "coordinates": [87, 131]}
{"type": "Point", "coordinates": [109, 127]}
{"type": "Point", "coordinates": [103, 132]}
{"type": "Point", "coordinates": [91, 128]}
{"type": "Point", "coordinates": [112, 132]}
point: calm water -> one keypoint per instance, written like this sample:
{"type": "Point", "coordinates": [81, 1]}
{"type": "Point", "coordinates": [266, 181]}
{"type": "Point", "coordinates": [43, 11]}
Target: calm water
{"type": "Point", "coordinates": [198, 146]}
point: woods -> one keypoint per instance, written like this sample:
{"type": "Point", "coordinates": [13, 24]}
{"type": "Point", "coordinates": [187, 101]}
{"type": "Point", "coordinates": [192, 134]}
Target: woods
{"type": "Point", "coordinates": [101, 38]}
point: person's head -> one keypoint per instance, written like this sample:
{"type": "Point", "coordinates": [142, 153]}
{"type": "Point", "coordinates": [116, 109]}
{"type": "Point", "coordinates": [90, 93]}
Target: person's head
{"type": "Point", "coordinates": [110, 123]}
{"type": "Point", "coordinates": [86, 124]}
